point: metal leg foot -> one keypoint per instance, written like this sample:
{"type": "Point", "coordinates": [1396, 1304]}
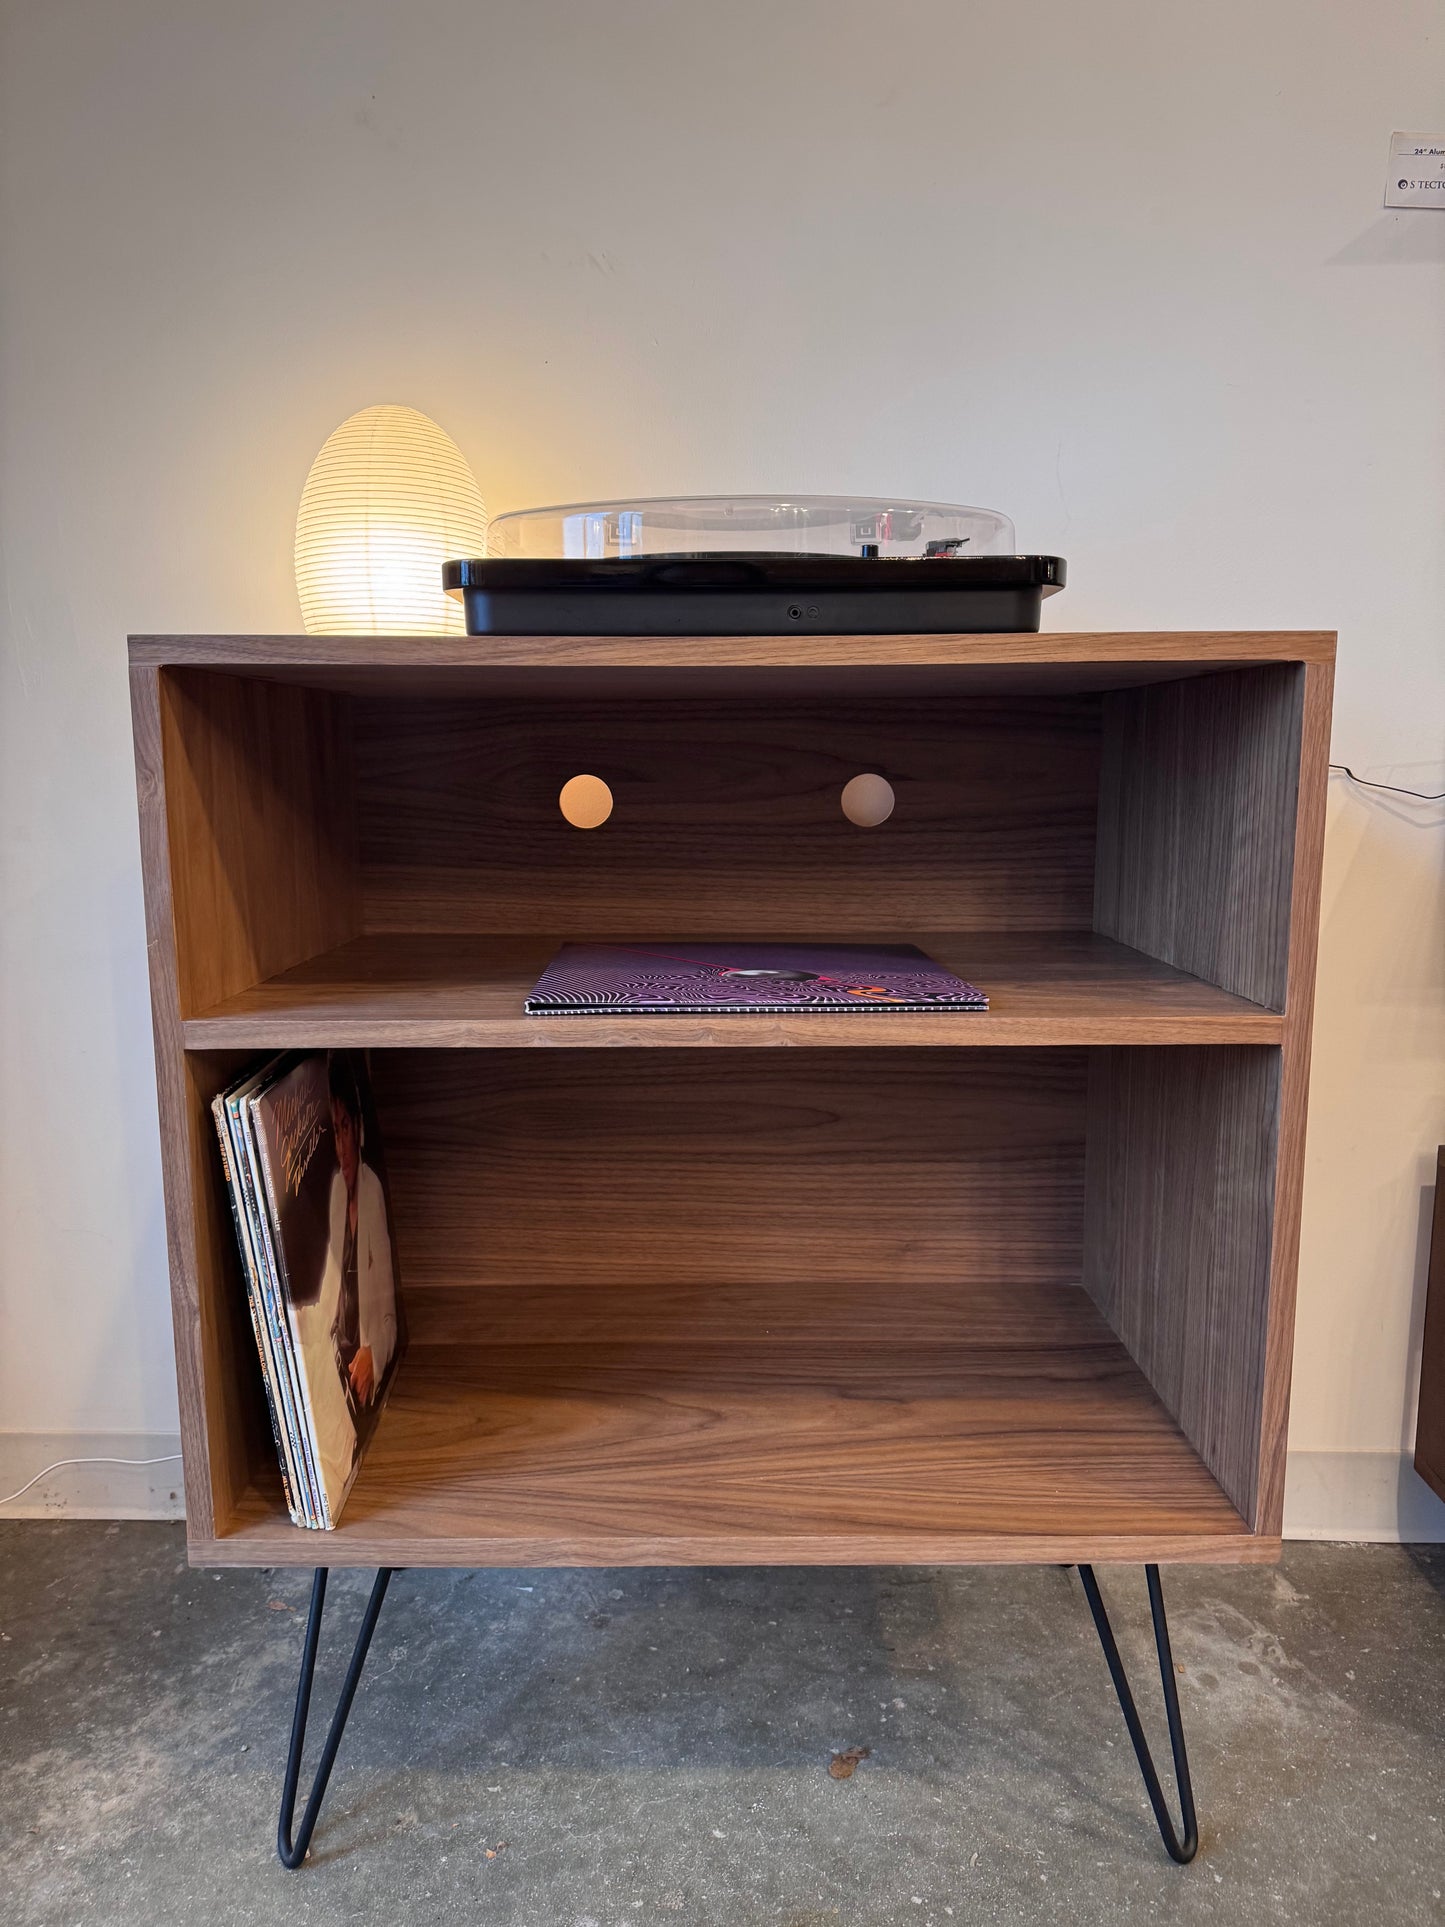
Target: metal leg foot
{"type": "Point", "coordinates": [293, 1850]}
{"type": "Point", "coordinates": [1183, 1850]}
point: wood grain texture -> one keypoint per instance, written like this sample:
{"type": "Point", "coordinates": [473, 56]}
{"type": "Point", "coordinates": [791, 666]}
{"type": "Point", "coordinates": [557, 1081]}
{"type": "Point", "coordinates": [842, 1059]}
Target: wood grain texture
{"type": "Point", "coordinates": [816, 653]}
{"type": "Point", "coordinates": [222, 1421]}
{"type": "Point", "coordinates": [428, 990]}
{"type": "Point", "coordinates": [577, 680]}
{"type": "Point", "coordinates": [1179, 1191]}
{"type": "Point", "coordinates": [727, 816]}
{"type": "Point", "coordinates": [261, 829]}
{"type": "Point", "coordinates": [625, 1168]}
{"type": "Point", "coordinates": [1304, 919]}
{"type": "Point", "coordinates": [1027, 1434]}
{"type": "Point", "coordinates": [847, 1308]}
{"type": "Point", "coordinates": [207, 1482]}
{"type": "Point", "coordinates": [730, 1306]}
{"type": "Point", "coordinates": [1197, 833]}
{"type": "Point", "coordinates": [213, 1302]}
{"type": "Point", "coordinates": [1430, 1427]}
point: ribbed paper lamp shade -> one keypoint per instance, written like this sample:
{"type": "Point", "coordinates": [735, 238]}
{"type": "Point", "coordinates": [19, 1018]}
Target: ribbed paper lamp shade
{"type": "Point", "coordinates": [388, 500]}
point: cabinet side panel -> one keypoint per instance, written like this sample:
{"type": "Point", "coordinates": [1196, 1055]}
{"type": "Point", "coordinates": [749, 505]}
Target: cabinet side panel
{"type": "Point", "coordinates": [260, 815]}
{"type": "Point", "coordinates": [221, 1421]}
{"type": "Point", "coordinates": [1196, 835]}
{"type": "Point", "coordinates": [1314, 776]}
{"type": "Point", "coordinates": [1178, 1207]}
{"type": "Point", "coordinates": [233, 1407]}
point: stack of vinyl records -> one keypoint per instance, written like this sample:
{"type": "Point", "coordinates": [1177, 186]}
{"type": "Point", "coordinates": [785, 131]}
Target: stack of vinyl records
{"type": "Point", "coordinates": [303, 1164]}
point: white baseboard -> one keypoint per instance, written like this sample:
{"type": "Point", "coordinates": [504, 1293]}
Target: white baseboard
{"type": "Point", "coordinates": [91, 1491]}
{"type": "Point", "coordinates": [1373, 1496]}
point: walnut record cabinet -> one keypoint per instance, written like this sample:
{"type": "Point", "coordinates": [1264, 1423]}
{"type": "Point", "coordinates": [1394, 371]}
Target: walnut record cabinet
{"type": "Point", "coordinates": [949, 1287]}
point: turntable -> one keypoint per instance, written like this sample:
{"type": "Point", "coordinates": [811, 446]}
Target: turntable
{"type": "Point", "coordinates": [740, 565]}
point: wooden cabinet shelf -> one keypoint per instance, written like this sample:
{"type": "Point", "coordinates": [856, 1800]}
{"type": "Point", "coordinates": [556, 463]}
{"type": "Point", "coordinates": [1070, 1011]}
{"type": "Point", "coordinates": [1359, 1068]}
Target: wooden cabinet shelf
{"type": "Point", "coordinates": [995, 1423]}
{"type": "Point", "coordinates": [953, 1286]}
{"type": "Point", "coordinates": [1044, 987]}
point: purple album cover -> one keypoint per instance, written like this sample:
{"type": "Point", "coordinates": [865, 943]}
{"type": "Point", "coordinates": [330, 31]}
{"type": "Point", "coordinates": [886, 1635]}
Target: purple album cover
{"type": "Point", "coordinates": [747, 978]}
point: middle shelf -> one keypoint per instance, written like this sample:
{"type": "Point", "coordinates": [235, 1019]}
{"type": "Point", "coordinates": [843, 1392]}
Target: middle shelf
{"type": "Point", "coordinates": [416, 990]}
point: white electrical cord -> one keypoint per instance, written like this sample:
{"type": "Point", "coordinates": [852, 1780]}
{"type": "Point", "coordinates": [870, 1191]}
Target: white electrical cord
{"type": "Point", "coordinates": [166, 1458]}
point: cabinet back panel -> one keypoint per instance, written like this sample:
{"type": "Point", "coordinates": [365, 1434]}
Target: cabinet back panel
{"type": "Point", "coordinates": [699, 1170]}
{"type": "Point", "coordinates": [726, 817]}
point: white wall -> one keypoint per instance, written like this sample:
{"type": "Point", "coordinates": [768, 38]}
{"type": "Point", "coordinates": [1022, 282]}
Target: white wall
{"type": "Point", "coordinates": [1120, 269]}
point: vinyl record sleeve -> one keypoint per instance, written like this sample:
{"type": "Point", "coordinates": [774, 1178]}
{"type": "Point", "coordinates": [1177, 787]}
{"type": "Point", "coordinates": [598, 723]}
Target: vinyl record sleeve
{"type": "Point", "coordinates": [329, 1222]}
{"type": "Point", "coordinates": [270, 1374]}
{"type": "Point", "coordinates": [745, 979]}
{"type": "Point", "coordinates": [248, 1155]}
{"type": "Point", "coordinates": [256, 1252]}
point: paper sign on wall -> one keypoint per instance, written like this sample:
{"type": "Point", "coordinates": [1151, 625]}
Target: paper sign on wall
{"type": "Point", "coordinates": [1417, 171]}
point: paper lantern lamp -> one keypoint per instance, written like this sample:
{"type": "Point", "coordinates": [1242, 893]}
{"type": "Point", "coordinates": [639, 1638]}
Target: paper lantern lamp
{"type": "Point", "coordinates": [388, 500]}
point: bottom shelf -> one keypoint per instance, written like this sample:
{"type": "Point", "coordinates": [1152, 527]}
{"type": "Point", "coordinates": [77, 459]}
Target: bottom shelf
{"type": "Point", "coordinates": [814, 1426]}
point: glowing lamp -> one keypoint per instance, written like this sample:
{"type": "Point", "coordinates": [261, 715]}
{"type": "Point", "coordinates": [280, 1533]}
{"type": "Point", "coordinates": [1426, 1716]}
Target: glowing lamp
{"type": "Point", "coordinates": [388, 500]}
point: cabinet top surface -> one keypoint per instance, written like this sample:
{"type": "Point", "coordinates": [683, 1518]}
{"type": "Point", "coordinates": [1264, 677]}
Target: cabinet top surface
{"type": "Point", "coordinates": [1177, 648]}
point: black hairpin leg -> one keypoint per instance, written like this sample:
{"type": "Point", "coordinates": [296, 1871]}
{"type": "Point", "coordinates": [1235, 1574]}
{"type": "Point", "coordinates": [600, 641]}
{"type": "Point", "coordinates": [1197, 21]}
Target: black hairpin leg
{"type": "Point", "coordinates": [293, 1851]}
{"type": "Point", "coordinates": [1181, 1850]}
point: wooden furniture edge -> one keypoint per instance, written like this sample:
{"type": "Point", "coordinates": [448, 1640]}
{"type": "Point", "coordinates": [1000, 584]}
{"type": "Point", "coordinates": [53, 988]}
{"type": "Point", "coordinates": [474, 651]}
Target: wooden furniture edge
{"type": "Point", "coordinates": [1305, 886]}
{"type": "Point", "coordinates": [181, 1230]}
{"type": "Point", "coordinates": [260, 1032]}
{"type": "Point", "coordinates": [786, 651]}
{"type": "Point", "coordinates": [273, 1547]}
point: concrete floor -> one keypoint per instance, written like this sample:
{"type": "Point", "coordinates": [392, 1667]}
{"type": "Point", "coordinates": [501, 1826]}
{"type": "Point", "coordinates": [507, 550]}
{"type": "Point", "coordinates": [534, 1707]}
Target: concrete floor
{"type": "Point", "coordinates": [588, 1749]}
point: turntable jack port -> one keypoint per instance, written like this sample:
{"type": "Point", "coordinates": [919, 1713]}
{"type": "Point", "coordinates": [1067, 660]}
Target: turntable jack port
{"type": "Point", "coordinates": [796, 611]}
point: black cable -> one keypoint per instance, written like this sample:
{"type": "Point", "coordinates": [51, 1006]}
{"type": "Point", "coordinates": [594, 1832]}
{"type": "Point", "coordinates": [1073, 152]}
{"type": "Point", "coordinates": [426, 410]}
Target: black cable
{"type": "Point", "coordinates": [1425, 796]}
